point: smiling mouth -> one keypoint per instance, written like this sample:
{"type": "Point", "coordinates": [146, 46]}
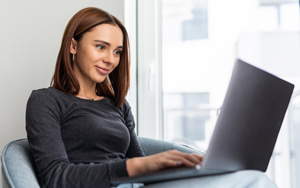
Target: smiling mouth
{"type": "Point", "coordinates": [102, 71]}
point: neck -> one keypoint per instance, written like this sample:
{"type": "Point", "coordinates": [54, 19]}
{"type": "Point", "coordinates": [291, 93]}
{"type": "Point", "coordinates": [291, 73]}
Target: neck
{"type": "Point", "coordinates": [91, 96]}
{"type": "Point", "coordinates": [87, 91]}
{"type": "Point", "coordinates": [87, 87]}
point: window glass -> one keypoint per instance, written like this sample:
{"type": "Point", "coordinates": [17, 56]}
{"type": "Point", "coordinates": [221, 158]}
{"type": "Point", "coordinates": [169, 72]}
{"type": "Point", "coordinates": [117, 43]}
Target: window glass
{"type": "Point", "coordinates": [200, 41]}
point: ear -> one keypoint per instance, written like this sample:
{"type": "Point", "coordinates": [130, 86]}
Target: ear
{"type": "Point", "coordinates": [73, 46]}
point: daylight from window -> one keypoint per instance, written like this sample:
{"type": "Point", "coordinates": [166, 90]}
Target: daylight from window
{"type": "Point", "coordinates": [201, 40]}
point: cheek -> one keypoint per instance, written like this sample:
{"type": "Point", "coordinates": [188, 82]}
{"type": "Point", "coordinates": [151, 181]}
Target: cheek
{"type": "Point", "coordinates": [84, 57]}
{"type": "Point", "coordinates": [93, 55]}
{"type": "Point", "coordinates": [118, 59]}
{"type": "Point", "coordinates": [117, 63]}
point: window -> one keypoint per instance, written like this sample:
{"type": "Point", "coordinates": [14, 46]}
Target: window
{"type": "Point", "coordinates": [187, 119]}
{"type": "Point", "coordinates": [195, 27]}
{"type": "Point", "coordinates": [187, 50]}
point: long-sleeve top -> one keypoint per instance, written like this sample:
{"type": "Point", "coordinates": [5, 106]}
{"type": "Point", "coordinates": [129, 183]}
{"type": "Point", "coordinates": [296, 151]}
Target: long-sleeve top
{"type": "Point", "coordinates": [78, 142]}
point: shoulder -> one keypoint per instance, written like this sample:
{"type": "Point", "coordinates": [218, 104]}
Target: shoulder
{"type": "Point", "coordinates": [47, 97]}
{"type": "Point", "coordinates": [125, 107]}
{"type": "Point", "coordinates": [127, 113]}
{"type": "Point", "coordinates": [47, 101]}
{"type": "Point", "coordinates": [126, 104]}
{"type": "Point", "coordinates": [39, 95]}
{"type": "Point", "coordinates": [47, 94]}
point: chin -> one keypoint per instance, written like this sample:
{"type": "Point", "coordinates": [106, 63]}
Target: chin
{"type": "Point", "coordinates": [100, 80]}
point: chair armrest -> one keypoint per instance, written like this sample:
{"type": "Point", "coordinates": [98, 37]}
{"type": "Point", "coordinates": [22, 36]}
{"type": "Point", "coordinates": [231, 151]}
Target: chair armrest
{"type": "Point", "coordinates": [153, 146]}
{"type": "Point", "coordinates": [18, 169]}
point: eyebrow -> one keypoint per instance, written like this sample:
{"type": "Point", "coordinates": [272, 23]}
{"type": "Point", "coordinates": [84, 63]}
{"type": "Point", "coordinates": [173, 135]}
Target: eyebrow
{"type": "Point", "coordinates": [107, 43]}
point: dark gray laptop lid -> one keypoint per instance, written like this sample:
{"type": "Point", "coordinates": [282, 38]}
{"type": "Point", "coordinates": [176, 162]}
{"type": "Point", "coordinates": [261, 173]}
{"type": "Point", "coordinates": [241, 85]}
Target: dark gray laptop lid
{"type": "Point", "coordinates": [246, 129]}
{"type": "Point", "coordinates": [250, 119]}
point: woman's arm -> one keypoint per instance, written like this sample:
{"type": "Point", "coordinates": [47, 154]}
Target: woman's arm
{"type": "Point", "coordinates": [137, 164]}
{"type": "Point", "coordinates": [134, 149]}
{"type": "Point", "coordinates": [157, 162]}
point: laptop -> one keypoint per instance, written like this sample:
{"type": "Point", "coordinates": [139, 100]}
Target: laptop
{"type": "Point", "coordinates": [246, 129]}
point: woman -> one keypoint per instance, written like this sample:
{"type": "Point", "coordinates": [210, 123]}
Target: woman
{"type": "Point", "coordinates": [81, 129]}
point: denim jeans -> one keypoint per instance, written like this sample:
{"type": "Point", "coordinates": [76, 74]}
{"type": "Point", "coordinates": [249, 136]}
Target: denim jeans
{"type": "Point", "coordinates": [240, 179]}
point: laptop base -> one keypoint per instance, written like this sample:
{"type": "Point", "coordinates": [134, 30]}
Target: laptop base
{"type": "Point", "coordinates": [170, 174]}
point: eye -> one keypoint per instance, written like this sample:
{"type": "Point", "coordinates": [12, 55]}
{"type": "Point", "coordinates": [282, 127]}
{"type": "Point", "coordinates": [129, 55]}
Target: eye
{"type": "Point", "coordinates": [100, 46]}
{"type": "Point", "coordinates": [118, 52]}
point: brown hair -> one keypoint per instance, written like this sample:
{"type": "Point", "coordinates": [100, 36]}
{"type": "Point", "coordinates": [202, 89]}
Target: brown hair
{"type": "Point", "coordinates": [64, 79]}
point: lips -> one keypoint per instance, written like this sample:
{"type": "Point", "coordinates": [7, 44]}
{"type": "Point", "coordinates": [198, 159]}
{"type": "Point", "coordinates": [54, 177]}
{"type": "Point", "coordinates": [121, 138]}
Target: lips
{"type": "Point", "coordinates": [102, 71]}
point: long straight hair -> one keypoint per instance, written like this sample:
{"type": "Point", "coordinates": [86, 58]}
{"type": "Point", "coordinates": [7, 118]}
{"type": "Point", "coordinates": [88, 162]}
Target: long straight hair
{"type": "Point", "coordinates": [64, 79]}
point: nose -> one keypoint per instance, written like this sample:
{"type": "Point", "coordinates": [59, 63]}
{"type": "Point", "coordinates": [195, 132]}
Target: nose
{"type": "Point", "coordinates": [109, 57]}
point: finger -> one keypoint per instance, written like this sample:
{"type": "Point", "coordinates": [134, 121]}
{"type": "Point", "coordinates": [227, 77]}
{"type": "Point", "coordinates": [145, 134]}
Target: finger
{"type": "Point", "coordinates": [186, 162]}
{"type": "Point", "coordinates": [177, 158]}
{"type": "Point", "coordinates": [192, 158]}
{"type": "Point", "coordinates": [173, 163]}
{"type": "Point", "coordinates": [174, 158]}
{"type": "Point", "coordinates": [176, 163]}
{"type": "Point", "coordinates": [199, 157]}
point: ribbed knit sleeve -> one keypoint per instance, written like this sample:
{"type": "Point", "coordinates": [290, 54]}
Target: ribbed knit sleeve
{"type": "Point", "coordinates": [43, 126]}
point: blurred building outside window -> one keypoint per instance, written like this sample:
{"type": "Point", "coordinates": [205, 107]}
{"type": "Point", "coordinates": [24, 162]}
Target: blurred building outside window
{"type": "Point", "coordinates": [200, 41]}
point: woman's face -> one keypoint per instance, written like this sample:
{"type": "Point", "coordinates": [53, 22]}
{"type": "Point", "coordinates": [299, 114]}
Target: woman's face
{"type": "Point", "coordinates": [97, 53]}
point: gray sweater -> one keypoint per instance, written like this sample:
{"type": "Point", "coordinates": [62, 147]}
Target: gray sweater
{"type": "Point", "coordinates": [78, 142]}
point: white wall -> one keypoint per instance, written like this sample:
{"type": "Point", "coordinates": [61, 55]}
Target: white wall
{"type": "Point", "coordinates": [30, 37]}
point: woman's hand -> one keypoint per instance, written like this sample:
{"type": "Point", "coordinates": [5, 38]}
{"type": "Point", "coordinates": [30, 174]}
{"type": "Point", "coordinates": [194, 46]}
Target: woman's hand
{"type": "Point", "coordinates": [167, 159]}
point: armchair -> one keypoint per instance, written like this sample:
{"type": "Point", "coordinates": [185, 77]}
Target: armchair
{"type": "Point", "coordinates": [18, 169]}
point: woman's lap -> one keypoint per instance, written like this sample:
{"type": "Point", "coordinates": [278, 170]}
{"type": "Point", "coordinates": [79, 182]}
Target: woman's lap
{"type": "Point", "coordinates": [241, 179]}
